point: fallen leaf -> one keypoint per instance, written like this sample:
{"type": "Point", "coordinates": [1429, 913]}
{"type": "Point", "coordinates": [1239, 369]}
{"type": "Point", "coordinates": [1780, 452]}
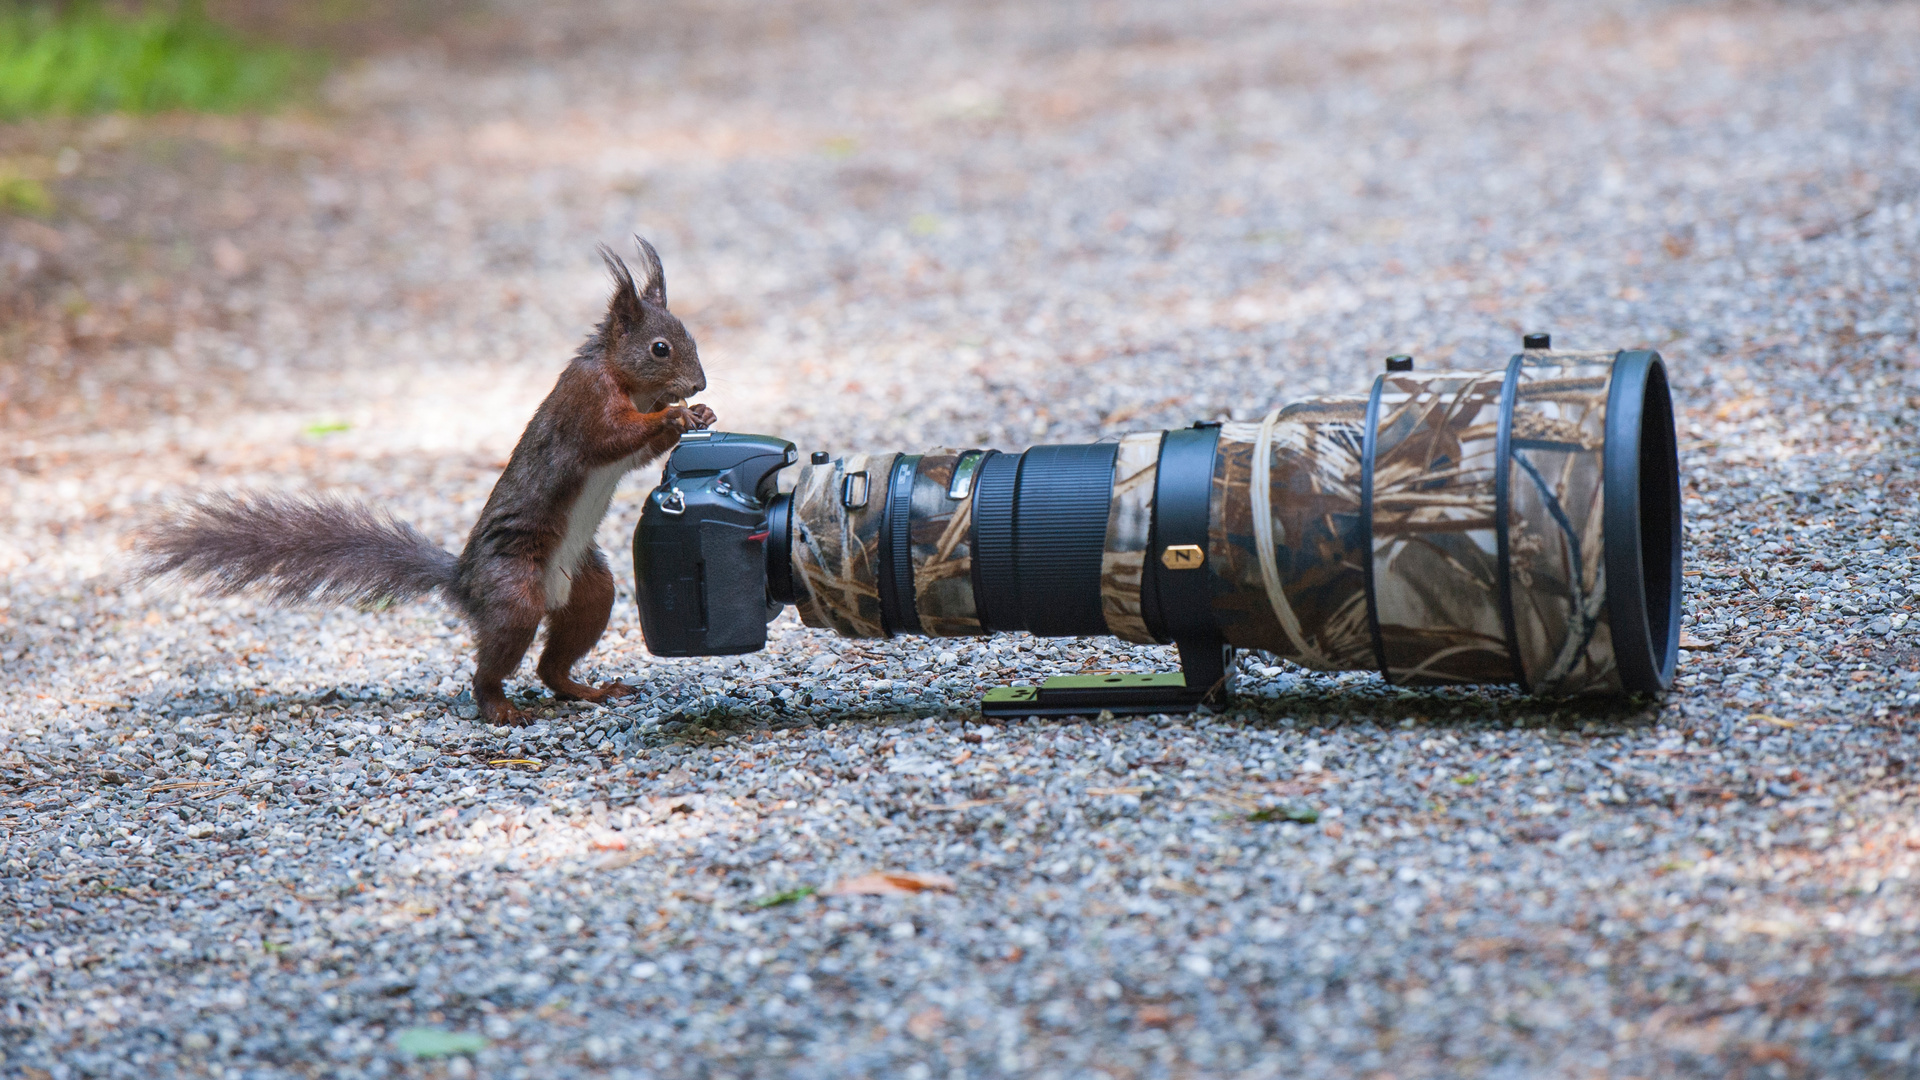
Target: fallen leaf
{"type": "Point", "coordinates": [964, 804]}
{"type": "Point", "coordinates": [232, 262]}
{"type": "Point", "coordinates": [517, 761]}
{"type": "Point", "coordinates": [787, 897]}
{"type": "Point", "coordinates": [1168, 884]}
{"type": "Point", "coordinates": [1774, 720]}
{"type": "Point", "coordinates": [925, 1025]}
{"type": "Point", "coordinates": [1688, 641]}
{"type": "Point", "coordinates": [609, 843]}
{"type": "Point", "coordinates": [1128, 412]}
{"type": "Point", "coordinates": [1488, 948]}
{"type": "Point", "coordinates": [1299, 815]}
{"type": "Point", "coordinates": [890, 883]}
{"type": "Point", "coordinates": [1137, 790]}
{"type": "Point", "coordinates": [1153, 1016]}
{"type": "Point", "coordinates": [1764, 1052]}
{"type": "Point", "coordinates": [617, 859]}
{"type": "Point", "coordinates": [1239, 804]}
{"type": "Point", "coordinates": [1304, 785]}
{"type": "Point", "coordinates": [437, 1042]}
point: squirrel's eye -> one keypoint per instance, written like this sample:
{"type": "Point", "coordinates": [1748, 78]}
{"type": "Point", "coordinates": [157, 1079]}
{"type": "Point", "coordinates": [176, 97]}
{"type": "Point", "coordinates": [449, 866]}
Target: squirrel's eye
{"type": "Point", "coordinates": [661, 349]}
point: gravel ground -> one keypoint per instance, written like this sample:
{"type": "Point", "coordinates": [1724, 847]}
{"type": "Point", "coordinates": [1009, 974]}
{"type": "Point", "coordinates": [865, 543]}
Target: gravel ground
{"type": "Point", "coordinates": [239, 841]}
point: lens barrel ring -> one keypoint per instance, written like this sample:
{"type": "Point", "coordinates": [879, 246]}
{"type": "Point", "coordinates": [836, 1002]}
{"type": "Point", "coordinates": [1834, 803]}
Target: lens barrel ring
{"type": "Point", "coordinates": [898, 614]}
{"type": "Point", "coordinates": [780, 583]}
{"type": "Point", "coordinates": [1641, 523]}
{"type": "Point", "coordinates": [1178, 603]}
{"type": "Point", "coordinates": [996, 582]}
{"type": "Point", "coordinates": [1370, 437]}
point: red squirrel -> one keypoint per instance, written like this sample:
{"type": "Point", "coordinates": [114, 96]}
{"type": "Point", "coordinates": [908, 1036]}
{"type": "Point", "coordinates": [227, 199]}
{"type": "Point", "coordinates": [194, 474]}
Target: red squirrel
{"type": "Point", "coordinates": [619, 404]}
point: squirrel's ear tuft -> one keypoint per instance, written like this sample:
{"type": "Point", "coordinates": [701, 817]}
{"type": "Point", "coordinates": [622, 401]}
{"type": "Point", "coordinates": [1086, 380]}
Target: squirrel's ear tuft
{"type": "Point", "coordinates": [623, 308]}
{"type": "Point", "coordinates": [653, 286]}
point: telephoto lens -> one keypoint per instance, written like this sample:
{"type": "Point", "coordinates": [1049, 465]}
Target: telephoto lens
{"type": "Point", "coordinates": [1517, 525]}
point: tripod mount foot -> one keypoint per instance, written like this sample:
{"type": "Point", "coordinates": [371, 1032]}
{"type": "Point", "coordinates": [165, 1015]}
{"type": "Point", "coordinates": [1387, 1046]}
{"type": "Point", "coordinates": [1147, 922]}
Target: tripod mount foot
{"type": "Point", "coordinates": [1204, 678]}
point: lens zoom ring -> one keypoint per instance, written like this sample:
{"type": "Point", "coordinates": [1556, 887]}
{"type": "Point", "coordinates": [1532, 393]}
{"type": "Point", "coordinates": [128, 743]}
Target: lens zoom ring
{"type": "Point", "coordinates": [996, 585]}
{"type": "Point", "coordinates": [1060, 533]}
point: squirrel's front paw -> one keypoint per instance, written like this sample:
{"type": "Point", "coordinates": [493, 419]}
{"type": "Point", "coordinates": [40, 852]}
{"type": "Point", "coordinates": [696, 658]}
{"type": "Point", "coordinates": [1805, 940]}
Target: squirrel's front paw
{"type": "Point", "coordinates": [683, 418]}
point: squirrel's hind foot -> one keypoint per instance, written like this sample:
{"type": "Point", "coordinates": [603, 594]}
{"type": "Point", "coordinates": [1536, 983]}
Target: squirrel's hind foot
{"type": "Point", "coordinates": [502, 712]}
{"type": "Point", "coordinates": [568, 690]}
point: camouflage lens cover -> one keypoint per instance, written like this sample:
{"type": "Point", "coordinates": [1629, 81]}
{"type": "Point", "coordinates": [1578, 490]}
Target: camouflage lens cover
{"type": "Point", "coordinates": [1314, 506]}
{"type": "Point", "coordinates": [836, 547]}
{"type": "Point", "coordinates": [1557, 571]}
{"type": "Point", "coordinates": [942, 558]}
{"type": "Point", "coordinates": [1435, 534]}
{"type": "Point", "coordinates": [1473, 549]}
{"type": "Point", "coordinates": [1129, 528]}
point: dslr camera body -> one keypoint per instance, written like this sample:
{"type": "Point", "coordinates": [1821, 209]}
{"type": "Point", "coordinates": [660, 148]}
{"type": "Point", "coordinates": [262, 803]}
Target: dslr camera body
{"type": "Point", "coordinates": [700, 552]}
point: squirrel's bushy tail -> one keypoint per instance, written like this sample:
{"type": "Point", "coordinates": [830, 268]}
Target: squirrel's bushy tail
{"type": "Point", "coordinates": [294, 548]}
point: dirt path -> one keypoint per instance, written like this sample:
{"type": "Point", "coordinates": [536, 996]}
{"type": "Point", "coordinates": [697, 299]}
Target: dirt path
{"type": "Point", "coordinates": [261, 842]}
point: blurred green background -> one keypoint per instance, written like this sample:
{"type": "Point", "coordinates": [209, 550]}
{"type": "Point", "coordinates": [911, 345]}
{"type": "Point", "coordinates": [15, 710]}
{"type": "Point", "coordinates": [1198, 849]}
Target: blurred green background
{"type": "Point", "coordinates": [79, 58]}
{"type": "Point", "coordinates": [107, 104]}
{"type": "Point", "coordinates": [64, 59]}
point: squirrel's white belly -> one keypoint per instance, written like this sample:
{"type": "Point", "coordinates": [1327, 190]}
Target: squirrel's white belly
{"type": "Point", "coordinates": [583, 520]}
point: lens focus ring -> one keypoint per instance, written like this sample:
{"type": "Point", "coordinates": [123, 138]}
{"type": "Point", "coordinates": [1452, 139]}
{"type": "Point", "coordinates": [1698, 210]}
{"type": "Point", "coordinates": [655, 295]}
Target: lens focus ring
{"type": "Point", "coordinates": [1060, 533]}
